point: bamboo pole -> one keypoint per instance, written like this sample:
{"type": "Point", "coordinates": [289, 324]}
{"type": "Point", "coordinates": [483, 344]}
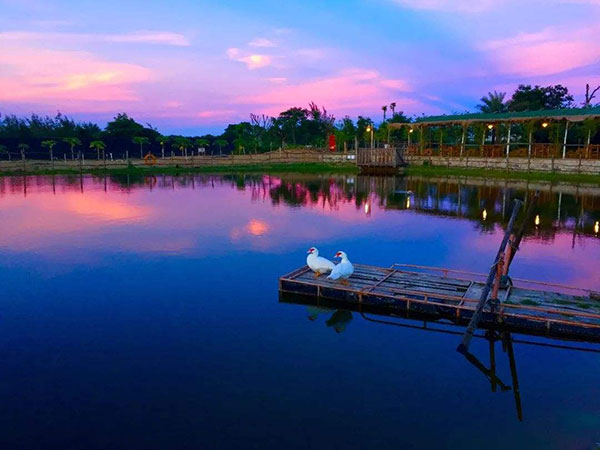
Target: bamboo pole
{"type": "Point", "coordinates": [564, 150]}
{"type": "Point", "coordinates": [483, 300]}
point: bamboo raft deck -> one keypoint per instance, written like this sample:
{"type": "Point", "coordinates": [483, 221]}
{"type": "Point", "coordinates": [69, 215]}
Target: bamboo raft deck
{"type": "Point", "coordinates": [527, 307]}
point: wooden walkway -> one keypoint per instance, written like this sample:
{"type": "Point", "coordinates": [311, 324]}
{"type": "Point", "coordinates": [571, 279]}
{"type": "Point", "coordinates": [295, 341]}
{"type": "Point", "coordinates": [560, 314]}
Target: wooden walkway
{"type": "Point", "coordinates": [373, 159]}
{"type": "Point", "coordinates": [527, 307]}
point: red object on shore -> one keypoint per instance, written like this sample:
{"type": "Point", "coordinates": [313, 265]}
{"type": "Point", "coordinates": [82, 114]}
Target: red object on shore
{"type": "Point", "coordinates": [332, 142]}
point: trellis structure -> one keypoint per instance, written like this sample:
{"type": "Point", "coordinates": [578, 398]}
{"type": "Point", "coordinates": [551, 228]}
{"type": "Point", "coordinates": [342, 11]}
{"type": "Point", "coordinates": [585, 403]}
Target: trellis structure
{"type": "Point", "coordinates": [487, 122]}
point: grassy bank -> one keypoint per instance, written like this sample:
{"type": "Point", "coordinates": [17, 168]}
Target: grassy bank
{"type": "Point", "coordinates": [247, 168]}
{"type": "Point", "coordinates": [430, 171]}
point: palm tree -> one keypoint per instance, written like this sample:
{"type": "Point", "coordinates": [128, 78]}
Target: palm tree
{"type": "Point", "coordinates": [384, 109]}
{"type": "Point", "coordinates": [493, 103]}
{"type": "Point", "coordinates": [162, 140]}
{"type": "Point", "coordinates": [141, 140]}
{"type": "Point", "coordinates": [72, 142]}
{"type": "Point", "coordinates": [98, 145]}
{"type": "Point", "coordinates": [50, 145]}
{"type": "Point", "coordinates": [23, 147]}
{"type": "Point", "coordinates": [393, 108]}
{"type": "Point", "coordinates": [201, 143]}
{"type": "Point", "coordinates": [221, 143]}
{"type": "Point", "coordinates": [181, 144]}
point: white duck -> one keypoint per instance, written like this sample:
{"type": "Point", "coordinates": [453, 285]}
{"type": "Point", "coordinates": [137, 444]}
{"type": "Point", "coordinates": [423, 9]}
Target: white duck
{"type": "Point", "coordinates": [343, 270]}
{"type": "Point", "coordinates": [318, 264]}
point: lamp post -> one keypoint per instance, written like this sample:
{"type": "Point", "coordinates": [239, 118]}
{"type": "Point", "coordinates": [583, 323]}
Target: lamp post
{"type": "Point", "coordinates": [370, 130]}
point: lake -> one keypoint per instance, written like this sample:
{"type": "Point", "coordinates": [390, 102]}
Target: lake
{"type": "Point", "coordinates": [143, 313]}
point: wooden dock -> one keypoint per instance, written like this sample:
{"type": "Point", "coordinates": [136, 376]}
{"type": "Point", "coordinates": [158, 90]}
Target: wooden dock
{"type": "Point", "coordinates": [527, 307]}
{"type": "Point", "coordinates": [380, 159]}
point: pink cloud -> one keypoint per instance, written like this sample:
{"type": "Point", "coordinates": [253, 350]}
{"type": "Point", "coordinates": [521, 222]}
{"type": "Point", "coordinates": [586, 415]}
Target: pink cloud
{"type": "Point", "coordinates": [139, 37]}
{"type": "Point", "coordinates": [351, 89]}
{"type": "Point", "coordinates": [261, 42]}
{"type": "Point", "coordinates": [36, 74]}
{"type": "Point", "coordinates": [467, 6]}
{"type": "Point", "coordinates": [547, 52]}
{"type": "Point", "coordinates": [252, 61]}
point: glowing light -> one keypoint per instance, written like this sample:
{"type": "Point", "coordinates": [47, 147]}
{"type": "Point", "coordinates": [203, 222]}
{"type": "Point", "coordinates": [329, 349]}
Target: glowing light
{"type": "Point", "coordinates": [407, 202]}
{"type": "Point", "coordinates": [368, 128]}
{"type": "Point", "coordinates": [257, 227]}
{"type": "Point", "coordinates": [597, 227]}
{"type": "Point", "coordinates": [537, 220]}
{"type": "Point", "coordinates": [545, 124]}
{"type": "Point", "coordinates": [490, 126]}
{"type": "Point", "coordinates": [367, 208]}
{"type": "Point", "coordinates": [410, 130]}
{"type": "Point", "coordinates": [484, 215]}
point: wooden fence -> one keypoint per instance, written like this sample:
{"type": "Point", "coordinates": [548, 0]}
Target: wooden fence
{"type": "Point", "coordinates": [97, 162]}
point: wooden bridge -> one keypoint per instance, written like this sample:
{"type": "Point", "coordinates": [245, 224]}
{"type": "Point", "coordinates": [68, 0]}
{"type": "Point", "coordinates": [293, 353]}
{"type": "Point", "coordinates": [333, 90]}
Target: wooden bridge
{"type": "Point", "coordinates": [528, 307]}
{"type": "Point", "coordinates": [373, 159]}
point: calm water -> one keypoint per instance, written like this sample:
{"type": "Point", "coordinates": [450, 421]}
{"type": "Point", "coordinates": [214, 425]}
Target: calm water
{"type": "Point", "coordinates": [144, 314]}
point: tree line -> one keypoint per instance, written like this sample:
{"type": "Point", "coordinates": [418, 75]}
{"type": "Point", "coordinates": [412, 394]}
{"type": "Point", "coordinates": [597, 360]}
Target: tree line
{"type": "Point", "coordinates": [297, 126]}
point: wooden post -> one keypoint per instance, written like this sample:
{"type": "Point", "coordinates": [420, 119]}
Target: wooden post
{"type": "Point", "coordinates": [587, 145]}
{"type": "Point", "coordinates": [483, 140]}
{"type": "Point", "coordinates": [529, 152]}
{"type": "Point", "coordinates": [508, 144]}
{"type": "Point", "coordinates": [564, 152]}
{"type": "Point", "coordinates": [462, 140]}
{"type": "Point", "coordinates": [483, 300]}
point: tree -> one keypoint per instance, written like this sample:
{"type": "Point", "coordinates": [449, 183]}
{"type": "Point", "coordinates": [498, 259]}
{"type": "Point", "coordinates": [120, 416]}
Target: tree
{"type": "Point", "coordinates": [527, 98]}
{"type": "Point", "coordinates": [589, 97]}
{"type": "Point", "coordinates": [180, 143]}
{"type": "Point", "coordinates": [393, 109]}
{"type": "Point", "coordinates": [493, 103]}
{"type": "Point", "coordinates": [162, 140]}
{"type": "Point", "coordinates": [221, 143]}
{"type": "Point", "coordinates": [384, 109]}
{"type": "Point", "coordinates": [201, 143]}
{"type": "Point", "coordinates": [49, 144]}
{"type": "Point", "coordinates": [141, 141]}
{"type": "Point", "coordinates": [291, 119]}
{"type": "Point", "coordinates": [347, 131]}
{"type": "Point", "coordinates": [123, 126]}
{"type": "Point", "coordinates": [23, 147]}
{"type": "Point", "coordinates": [4, 151]}
{"type": "Point", "coordinates": [98, 145]}
{"type": "Point", "coordinates": [72, 142]}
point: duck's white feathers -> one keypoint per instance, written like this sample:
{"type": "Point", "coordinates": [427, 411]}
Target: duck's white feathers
{"type": "Point", "coordinates": [318, 263]}
{"type": "Point", "coordinates": [343, 270]}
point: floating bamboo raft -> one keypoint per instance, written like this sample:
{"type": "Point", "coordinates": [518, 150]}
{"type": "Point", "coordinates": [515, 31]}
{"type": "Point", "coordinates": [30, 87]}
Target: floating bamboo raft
{"type": "Point", "coordinates": [525, 306]}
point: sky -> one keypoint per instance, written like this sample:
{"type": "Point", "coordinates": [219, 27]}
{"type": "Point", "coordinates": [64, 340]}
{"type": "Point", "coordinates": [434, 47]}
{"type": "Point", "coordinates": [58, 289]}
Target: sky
{"type": "Point", "coordinates": [193, 67]}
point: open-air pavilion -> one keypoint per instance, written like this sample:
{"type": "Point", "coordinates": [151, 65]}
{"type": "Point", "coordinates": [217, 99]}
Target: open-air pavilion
{"type": "Point", "coordinates": [569, 134]}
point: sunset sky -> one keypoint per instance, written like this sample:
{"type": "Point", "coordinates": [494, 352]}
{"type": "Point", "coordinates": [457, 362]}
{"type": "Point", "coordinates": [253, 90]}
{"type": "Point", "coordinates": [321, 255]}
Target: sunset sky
{"type": "Point", "coordinates": [195, 66]}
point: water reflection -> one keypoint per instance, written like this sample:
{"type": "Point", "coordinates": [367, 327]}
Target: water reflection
{"type": "Point", "coordinates": [486, 202]}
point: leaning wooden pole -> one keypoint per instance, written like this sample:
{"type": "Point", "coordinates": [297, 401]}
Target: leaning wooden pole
{"type": "Point", "coordinates": [483, 300]}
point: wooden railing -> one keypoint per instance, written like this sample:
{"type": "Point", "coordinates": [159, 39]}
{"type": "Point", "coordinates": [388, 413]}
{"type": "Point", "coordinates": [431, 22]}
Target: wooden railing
{"type": "Point", "coordinates": [538, 150]}
{"type": "Point", "coordinates": [380, 157]}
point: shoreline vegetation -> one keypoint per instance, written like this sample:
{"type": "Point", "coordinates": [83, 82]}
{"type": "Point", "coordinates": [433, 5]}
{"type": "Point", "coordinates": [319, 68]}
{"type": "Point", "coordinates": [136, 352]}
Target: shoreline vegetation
{"type": "Point", "coordinates": [315, 168]}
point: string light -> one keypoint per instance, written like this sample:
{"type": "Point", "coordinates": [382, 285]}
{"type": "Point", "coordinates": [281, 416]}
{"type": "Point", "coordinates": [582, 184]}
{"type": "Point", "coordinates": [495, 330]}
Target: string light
{"type": "Point", "coordinates": [545, 124]}
{"type": "Point", "coordinates": [410, 130]}
{"type": "Point", "coordinates": [490, 126]}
